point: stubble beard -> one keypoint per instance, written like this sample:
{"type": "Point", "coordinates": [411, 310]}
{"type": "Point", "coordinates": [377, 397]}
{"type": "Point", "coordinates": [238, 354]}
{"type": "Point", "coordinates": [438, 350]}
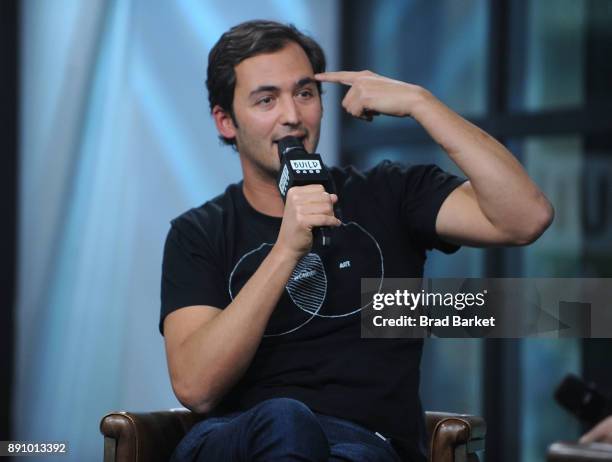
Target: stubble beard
{"type": "Point", "coordinates": [259, 166]}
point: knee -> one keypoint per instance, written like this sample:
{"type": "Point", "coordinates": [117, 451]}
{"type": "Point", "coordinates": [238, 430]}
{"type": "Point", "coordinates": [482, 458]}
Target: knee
{"type": "Point", "coordinates": [292, 408]}
{"type": "Point", "coordinates": [295, 425]}
{"type": "Point", "coordinates": [287, 414]}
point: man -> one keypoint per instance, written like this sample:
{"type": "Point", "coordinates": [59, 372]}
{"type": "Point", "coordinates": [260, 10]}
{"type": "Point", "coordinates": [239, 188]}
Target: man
{"type": "Point", "coordinates": [261, 324]}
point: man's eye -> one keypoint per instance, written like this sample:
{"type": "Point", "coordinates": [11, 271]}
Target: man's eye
{"type": "Point", "coordinates": [305, 94]}
{"type": "Point", "coordinates": [266, 100]}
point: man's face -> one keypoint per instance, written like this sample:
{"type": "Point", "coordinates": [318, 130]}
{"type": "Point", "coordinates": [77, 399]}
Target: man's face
{"type": "Point", "coordinates": [275, 96]}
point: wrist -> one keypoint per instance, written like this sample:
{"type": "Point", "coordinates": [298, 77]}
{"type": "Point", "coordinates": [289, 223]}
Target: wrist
{"type": "Point", "coordinates": [419, 100]}
{"type": "Point", "coordinates": [285, 255]}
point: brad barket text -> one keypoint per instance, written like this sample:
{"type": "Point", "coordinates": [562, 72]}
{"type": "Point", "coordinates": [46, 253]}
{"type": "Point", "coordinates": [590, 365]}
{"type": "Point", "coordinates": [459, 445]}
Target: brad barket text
{"type": "Point", "coordinates": [426, 321]}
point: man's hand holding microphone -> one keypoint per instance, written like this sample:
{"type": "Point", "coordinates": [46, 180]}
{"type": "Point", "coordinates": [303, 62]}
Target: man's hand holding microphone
{"type": "Point", "coordinates": [306, 208]}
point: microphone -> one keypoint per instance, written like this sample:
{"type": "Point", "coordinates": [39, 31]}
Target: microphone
{"type": "Point", "coordinates": [298, 168]}
{"type": "Point", "coordinates": [584, 400]}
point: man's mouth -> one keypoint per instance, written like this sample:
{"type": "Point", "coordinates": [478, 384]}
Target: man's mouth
{"type": "Point", "coordinates": [300, 137]}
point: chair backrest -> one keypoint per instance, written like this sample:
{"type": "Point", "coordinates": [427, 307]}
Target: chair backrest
{"type": "Point", "coordinates": [151, 436]}
{"type": "Point", "coordinates": [454, 437]}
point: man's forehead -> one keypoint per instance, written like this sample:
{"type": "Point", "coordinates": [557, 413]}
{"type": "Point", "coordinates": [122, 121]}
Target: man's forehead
{"type": "Point", "coordinates": [288, 66]}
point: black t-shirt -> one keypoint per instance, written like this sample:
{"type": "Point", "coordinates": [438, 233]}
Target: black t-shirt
{"type": "Point", "coordinates": [312, 348]}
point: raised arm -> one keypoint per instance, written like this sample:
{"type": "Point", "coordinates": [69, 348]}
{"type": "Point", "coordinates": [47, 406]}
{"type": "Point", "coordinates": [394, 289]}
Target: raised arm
{"type": "Point", "coordinates": [209, 349]}
{"type": "Point", "coordinates": [499, 205]}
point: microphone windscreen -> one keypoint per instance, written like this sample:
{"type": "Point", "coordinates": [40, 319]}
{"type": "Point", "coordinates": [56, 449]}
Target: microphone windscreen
{"type": "Point", "coordinates": [289, 143]}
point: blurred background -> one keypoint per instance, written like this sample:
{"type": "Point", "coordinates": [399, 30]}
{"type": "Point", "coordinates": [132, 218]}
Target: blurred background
{"type": "Point", "coordinates": [106, 136]}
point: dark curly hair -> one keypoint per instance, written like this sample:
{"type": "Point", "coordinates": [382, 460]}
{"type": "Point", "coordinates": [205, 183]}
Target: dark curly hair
{"type": "Point", "coordinates": [243, 41]}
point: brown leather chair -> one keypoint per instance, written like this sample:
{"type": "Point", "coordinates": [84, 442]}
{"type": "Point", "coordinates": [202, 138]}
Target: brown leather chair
{"type": "Point", "coordinates": [568, 451]}
{"type": "Point", "coordinates": [152, 436]}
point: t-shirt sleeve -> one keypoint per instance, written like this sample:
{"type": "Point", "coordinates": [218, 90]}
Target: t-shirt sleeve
{"type": "Point", "coordinates": [191, 272]}
{"type": "Point", "coordinates": [421, 190]}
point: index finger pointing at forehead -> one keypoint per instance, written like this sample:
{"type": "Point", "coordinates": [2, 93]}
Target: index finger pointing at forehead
{"type": "Point", "coordinates": [345, 77]}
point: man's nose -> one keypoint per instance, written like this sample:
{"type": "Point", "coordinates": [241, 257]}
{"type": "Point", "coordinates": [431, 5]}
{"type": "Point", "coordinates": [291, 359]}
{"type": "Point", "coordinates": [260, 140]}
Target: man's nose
{"type": "Point", "coordinates": [289, 112]}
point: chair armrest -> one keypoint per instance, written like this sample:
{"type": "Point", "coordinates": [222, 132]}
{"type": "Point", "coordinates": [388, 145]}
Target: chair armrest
{"type": "Point", "coordinates": [139, 437]}
{"type": "Point", "coordinates": [454, 437]}
{"type": "Point", "coordinates": [567, 451]}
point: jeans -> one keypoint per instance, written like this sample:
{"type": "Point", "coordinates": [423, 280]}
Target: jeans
{"type": "Point", "coordinates": [281, 429]}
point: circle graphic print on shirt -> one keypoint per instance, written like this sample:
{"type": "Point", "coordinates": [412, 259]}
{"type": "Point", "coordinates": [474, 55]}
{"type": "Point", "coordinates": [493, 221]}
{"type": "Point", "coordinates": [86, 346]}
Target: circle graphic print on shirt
{"type": "Point", "coordinates": [325, 284]}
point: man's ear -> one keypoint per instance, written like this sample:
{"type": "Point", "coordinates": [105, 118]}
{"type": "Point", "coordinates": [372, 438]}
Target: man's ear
{"type": "Point", "coordinates": [224, 122]}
